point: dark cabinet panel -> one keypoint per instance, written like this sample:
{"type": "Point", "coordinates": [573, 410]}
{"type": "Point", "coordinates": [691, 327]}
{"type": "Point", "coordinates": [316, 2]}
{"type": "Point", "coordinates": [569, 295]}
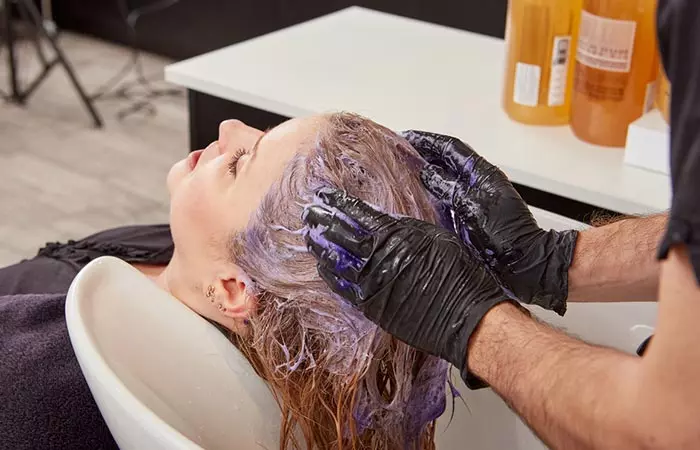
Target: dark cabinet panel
{"type": "Point", "coordinates": [192, 27]}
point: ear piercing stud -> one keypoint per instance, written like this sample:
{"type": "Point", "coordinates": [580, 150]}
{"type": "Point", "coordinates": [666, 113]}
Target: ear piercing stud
{"type": "Point", "coordinates": [210, 293]}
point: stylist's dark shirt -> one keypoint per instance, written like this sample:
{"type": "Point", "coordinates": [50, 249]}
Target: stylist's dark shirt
{"type": "Point", "coordinates": [45, 402]}
{"type": "Point", "coordinates": [679, 42]}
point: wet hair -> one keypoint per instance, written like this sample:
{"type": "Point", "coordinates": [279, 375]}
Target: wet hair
{"type": "Point", "coordinates": [340, 381]}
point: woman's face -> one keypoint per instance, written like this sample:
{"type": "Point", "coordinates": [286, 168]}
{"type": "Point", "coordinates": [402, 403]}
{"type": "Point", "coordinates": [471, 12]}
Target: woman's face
{"type": "Point", "coordinates": [214, 192]}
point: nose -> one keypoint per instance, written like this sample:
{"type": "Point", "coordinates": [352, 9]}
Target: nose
{"type": "Point", "coordinates": [234, 134]}
{"type": "Point", "coordinates": [230, 126]}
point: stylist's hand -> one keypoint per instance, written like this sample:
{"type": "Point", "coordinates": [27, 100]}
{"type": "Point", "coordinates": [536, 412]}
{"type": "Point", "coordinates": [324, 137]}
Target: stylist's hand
{"type": "Point", "coordinates": [415, 280]}
{"type": "Point", "coordinates": [489, 213]}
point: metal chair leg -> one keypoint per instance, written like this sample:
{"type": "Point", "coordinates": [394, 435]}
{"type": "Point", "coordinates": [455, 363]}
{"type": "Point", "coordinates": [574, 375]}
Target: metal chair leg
{"type": "Point", "coordinates": [28, 9]}
{"type": "Point", "coordinates": [15, 94]}
{"type": "Point", "coordinates": [38, 20]}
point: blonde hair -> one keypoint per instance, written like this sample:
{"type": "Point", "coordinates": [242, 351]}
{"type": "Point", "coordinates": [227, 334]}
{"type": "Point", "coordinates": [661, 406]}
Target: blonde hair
{"type": "Point", "coordinates": [339, 380]}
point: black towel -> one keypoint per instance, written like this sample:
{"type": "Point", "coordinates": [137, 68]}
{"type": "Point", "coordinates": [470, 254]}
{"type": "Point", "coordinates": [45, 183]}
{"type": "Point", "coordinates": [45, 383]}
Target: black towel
{"type": "Point", "coordinates": [45, 402]}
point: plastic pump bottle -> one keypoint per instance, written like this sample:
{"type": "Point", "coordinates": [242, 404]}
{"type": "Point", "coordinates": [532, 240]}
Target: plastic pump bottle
{"type": "Point", "coordinates": [616, 69]}
{"type": "Point", "coordinates": [540, 40]}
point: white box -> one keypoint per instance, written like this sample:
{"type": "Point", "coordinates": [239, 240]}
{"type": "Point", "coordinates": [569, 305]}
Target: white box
{"type": "Point", "coordinates": [649, 142]}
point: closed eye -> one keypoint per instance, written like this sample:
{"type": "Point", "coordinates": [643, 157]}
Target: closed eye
{"type": "Point", "coordinates": [233, 163]}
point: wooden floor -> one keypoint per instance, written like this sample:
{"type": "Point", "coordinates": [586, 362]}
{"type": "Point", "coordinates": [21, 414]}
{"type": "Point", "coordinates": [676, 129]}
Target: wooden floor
{"type": "Point", "coordinates": [60, 178]}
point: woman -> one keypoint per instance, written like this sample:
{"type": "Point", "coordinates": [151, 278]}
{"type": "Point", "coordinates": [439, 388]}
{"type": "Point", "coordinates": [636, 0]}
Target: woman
{"type": "Point", "coordinates": [237, 257]}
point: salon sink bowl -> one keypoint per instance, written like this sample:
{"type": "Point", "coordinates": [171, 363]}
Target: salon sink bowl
{"type": "Point", "coordinates": [163, 377]}
{"type": "Point", "coordinates": [166, 379]}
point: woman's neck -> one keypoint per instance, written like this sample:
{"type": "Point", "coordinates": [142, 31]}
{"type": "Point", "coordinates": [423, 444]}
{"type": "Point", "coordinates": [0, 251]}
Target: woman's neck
{"type": "Point", "coordinates": [156, 273]}
{"type": "Point", "coordinates": [166, 277]}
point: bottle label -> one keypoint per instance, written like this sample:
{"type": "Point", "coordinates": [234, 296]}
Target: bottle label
{"type": "Point", "coordinates": [606, 44]}
{"type": "Point", "coordinates": [526, 91]}
{"type": "Point", "coordinates": [558, 76]}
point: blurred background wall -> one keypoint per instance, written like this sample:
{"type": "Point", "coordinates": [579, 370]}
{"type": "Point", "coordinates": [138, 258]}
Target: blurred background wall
{"type": "Point", "coordinates": [191, 27]}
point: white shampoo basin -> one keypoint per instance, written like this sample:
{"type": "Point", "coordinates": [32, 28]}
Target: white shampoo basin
{"type": "Point", "coordinates": [163, 377]}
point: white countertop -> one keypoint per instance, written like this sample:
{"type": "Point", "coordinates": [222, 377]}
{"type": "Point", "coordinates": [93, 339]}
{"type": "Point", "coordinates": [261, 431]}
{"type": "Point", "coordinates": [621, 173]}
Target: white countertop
{"type": "Point", "coordinates": [408, 74]}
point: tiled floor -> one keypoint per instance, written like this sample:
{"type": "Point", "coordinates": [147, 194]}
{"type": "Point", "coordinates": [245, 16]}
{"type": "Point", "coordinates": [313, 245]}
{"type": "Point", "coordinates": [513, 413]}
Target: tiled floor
{"type": "Point", "coordinates": [60, 178]}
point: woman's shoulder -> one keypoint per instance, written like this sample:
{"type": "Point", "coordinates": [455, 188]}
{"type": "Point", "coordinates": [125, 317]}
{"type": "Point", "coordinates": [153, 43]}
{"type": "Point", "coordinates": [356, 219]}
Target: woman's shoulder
{"type": "Point", "coordinates": [56, 264]}
{"type": "Point", "coordinates": [145, 244]}
{"type": "Point", "coordinates": [146, 236]}
{"type": "Point", "coordinates": [35, 276]}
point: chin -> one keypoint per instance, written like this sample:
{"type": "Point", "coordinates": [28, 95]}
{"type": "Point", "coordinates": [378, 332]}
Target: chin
{"type": "Point", "coordinates": [175, 175]}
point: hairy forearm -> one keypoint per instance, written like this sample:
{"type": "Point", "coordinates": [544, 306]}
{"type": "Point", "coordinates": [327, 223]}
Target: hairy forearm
{"type": "Point", "coordinates": [576, 395]}
{"type": "Point", "coordinates": [573, 395]}
{"type": "Point", "coordinates": [617, 262]}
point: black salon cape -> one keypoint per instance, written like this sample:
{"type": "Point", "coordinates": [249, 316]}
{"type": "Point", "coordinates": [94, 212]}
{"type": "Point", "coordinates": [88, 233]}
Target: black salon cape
{"type": "Point", "coordinates": [678, 23]}
{"type": "Point", "coordinates": [45, 402]}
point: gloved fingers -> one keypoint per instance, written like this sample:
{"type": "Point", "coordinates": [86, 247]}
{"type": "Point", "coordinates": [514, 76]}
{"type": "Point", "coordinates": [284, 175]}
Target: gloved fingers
{"type": "Point", "coordinates": [317, 216]}
{"type": "Point", "coordinates": [455, 194]}
{"type": "Point", "coordinates": [346, 289]}
{"type": "Point", "coordinates": [429, 145]}
{"type": "Point", "coordinates": [339, 230]}
{"type": "Point", "coordinates": [332, 257]}
{"type": "Point", "coordinates": [447, 152]}
{"type": "Point", "coordinates": [354, 209]}
{"type": "Point", "coordinates": [440, 183]}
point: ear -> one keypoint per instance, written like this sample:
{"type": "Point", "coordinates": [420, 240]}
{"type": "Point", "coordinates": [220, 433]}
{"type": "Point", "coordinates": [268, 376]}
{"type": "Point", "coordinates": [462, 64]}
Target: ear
{"type": "Point", "coordinates": [237, 301]}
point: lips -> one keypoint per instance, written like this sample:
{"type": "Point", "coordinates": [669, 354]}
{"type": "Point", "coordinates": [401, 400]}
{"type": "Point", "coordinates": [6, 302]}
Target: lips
{"type": "Point", "coordinates": [193, 158]}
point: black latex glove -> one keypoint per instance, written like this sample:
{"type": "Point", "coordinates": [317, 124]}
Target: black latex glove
{"type": "Point", "coordinates": [489, 213]}
{"type": "Point", "coordinates": [417, 281]}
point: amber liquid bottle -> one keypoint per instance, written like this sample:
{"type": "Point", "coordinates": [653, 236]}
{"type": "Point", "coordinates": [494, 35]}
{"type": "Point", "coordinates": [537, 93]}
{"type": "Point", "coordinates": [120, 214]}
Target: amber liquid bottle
{"type": "Point", "coordinates": [540, 45]}
{"type": "Point", "coordinates": [616, 69]}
